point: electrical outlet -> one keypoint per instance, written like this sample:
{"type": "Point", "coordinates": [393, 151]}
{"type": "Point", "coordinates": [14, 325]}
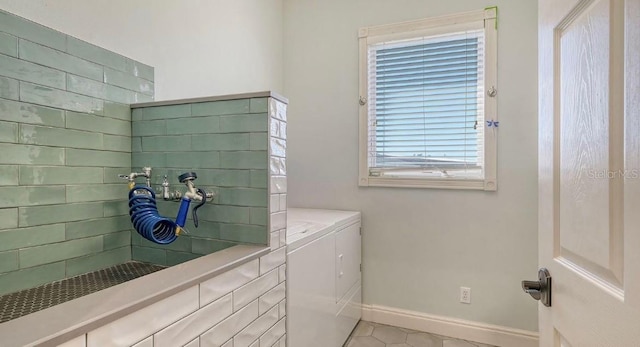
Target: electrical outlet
{"type": "Point", "coordinates": [465, 295]}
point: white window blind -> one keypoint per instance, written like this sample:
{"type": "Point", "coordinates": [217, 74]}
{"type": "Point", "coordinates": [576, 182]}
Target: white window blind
{"type": "Point", "coordinates": [426, 106]}
{"type": "Point", "coordinates": [428, 102]}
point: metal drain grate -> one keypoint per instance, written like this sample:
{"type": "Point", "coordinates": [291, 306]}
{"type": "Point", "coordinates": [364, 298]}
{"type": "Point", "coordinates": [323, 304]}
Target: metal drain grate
{"type": "Point", "coordinates": [27, 301]}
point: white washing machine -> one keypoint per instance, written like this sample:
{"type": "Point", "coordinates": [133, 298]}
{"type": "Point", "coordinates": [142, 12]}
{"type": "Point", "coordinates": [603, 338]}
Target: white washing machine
{"type": "Point", "coordinates": [324, 291]}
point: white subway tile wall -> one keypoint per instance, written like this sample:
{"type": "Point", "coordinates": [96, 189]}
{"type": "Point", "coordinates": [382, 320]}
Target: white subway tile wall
{"type": "Point", "coordinates": [195, 324]}
{"type": "Point", "coordinates": [254, 289]}
{"type": "Point", "coordinates": [145, 322]}
{"type": "Point", "coordinates": [216, 287]}
{"type": "Point", "coordinates": [148, 342]}
{"type": "Point", "coordinates": [79, 341]}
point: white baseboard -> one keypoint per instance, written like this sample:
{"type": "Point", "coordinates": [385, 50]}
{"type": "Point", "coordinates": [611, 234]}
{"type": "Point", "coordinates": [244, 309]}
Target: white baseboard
{"type": "Point", "coordinates": [462, 329]}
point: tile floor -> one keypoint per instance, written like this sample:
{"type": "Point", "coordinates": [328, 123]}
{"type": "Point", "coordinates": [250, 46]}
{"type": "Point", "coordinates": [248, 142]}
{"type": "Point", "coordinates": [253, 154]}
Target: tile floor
{"type": "Point", "coordinates": [368, 334]}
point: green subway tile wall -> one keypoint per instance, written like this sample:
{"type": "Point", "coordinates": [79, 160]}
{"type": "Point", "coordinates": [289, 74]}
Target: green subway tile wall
{"type": "Point", "coordinates": [226, 144]}
{"type": "Point", "coordinates": [65, 133]}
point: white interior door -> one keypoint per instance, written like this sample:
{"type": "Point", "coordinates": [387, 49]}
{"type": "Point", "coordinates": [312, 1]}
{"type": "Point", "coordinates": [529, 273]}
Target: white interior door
{"type": "Point", "coordinates": [589, 160]}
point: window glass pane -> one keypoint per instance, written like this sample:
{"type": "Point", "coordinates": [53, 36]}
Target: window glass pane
{"type": "Point", "coordinates": [426, 104]}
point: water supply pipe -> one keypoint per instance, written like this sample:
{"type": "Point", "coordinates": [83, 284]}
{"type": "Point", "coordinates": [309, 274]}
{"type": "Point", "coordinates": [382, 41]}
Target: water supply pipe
{"type": "Point", "coordinates": [146, 172]}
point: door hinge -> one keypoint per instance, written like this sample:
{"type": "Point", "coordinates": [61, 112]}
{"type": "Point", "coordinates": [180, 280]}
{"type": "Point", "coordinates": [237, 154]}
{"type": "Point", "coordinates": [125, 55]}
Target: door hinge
{"type": "Point", "coordinates": [360, 267]}
{"type": "Point", "coordinates": [360, 230]}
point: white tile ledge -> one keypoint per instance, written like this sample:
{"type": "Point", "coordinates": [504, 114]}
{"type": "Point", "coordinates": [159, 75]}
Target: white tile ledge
{"type": "Point", "coordinates": [265, 94]}
{"type": "Point", "coordinates": [71, 319]}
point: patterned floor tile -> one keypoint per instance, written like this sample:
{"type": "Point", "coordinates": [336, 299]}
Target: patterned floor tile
{"type": "Point", "coordinates": [369, 334]}
{"type": "Point", "coordinates": [365, 341]}
{"type": "Point", "coordinates": [388, 334]}
{"type": "Point", "coordinates": [363, 329]}
{"type": "Point", "coordinates": [423, 340]}
{"type": "Point", "coordinates": [456, 343]}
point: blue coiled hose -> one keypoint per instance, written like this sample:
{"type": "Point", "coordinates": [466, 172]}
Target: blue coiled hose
{"type": "Point", "coordinates": [146, 219]}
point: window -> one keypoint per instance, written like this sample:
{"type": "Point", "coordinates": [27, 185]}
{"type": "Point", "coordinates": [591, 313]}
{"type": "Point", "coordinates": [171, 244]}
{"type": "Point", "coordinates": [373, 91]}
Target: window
{"type": "Point", "coordinates": [428, 103]}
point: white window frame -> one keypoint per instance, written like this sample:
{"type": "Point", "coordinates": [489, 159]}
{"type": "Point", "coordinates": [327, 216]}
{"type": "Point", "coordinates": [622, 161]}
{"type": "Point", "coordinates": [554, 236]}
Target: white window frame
{"type": "Point", "coordinates": [487, 19]}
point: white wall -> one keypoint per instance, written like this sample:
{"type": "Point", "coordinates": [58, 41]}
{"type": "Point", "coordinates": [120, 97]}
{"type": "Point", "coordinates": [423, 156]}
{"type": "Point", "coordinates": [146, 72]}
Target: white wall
{"type": "Point", "coordinates": [420, 245]}
{"type": "Point", "coordinates": [198, 47]}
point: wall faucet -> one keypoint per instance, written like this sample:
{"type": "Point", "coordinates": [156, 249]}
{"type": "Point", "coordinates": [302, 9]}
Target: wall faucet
{"type": "Point", "coordinates": [191, 193]}
{"type": "Point", "coordinates": [144, 213]}
{"type": "Point", "coordinates": [146, 172]}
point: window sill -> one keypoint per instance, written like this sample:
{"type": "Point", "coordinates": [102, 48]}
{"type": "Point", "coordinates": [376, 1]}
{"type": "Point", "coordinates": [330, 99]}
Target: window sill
{"type": "Point", "coordinates": [468, 184]}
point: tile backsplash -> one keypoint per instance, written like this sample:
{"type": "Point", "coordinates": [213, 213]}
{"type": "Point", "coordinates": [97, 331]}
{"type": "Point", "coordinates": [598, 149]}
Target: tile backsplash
{"type": "Point", "coordinates": [65, 133]}
{"type": "Point", "coordinates": [226, 143]}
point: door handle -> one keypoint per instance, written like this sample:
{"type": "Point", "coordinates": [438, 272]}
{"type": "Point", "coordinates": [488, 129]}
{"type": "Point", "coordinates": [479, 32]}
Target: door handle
{"type": "Point", "coordinates": [532, 288]}
{"type": "Point", "coordinates": [540, 289]}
